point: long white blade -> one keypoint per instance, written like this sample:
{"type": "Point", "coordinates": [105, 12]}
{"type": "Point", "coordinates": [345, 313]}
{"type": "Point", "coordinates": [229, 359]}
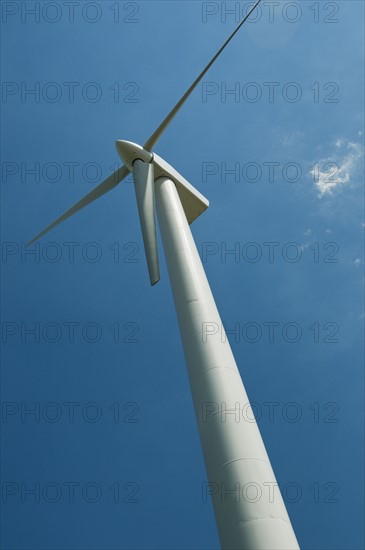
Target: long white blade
{"type": "Point", "coordinates": [122, 172]}
{"type": "Point", "coordinates": [103, 187]}
{"type": "Point", "coordinates": [157, 133]}
{"type": "Point", "coordinates": [143, 176]}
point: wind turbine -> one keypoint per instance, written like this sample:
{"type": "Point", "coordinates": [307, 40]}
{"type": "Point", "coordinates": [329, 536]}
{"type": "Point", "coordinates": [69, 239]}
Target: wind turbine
{"type": "Point", "coordinates": [249, 508]}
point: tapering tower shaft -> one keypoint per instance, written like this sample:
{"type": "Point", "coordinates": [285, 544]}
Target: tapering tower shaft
{"type": "Point", "coordinates": [249, 509]}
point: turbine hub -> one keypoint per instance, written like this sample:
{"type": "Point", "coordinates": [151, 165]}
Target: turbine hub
{"type": "Point", "coordinates": [129, 152]}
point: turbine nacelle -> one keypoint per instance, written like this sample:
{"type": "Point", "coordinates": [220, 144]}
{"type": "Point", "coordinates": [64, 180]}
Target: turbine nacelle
{"type": "Point", "coordinates": [146, 167]}
{"type": "Point", "coordinates": [194, 203]}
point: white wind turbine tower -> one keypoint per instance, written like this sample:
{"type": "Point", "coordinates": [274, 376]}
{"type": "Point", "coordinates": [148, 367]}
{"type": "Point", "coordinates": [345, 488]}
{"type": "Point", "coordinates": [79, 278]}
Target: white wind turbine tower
{"type": "Point", "coordinates": [249, 509]}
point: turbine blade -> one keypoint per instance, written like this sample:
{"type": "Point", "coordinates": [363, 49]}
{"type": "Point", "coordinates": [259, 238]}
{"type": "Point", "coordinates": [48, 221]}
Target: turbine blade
{"type": "Point", "coordinates": [143, 176]}
{"type": "Point", "coordinates": [103, 187]}
{"type": "Point", "coordinates": [157, 133]}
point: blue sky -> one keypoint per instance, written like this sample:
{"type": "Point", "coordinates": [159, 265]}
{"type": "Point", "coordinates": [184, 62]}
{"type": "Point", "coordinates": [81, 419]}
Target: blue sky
{"type": "Point", "coordinates": [106, 346]}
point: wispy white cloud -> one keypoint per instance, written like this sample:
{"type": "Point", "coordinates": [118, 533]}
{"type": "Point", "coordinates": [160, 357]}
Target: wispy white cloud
{"type": "Point", "coordinates": [333, 173]}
